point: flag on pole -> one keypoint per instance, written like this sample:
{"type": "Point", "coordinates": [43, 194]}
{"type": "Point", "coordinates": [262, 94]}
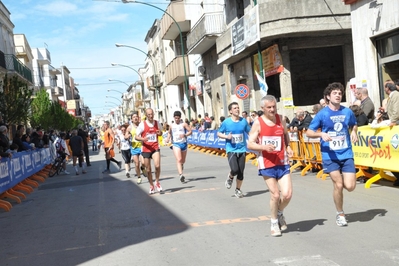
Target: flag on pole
{"type": "Point", "coordinates": [262, 84]}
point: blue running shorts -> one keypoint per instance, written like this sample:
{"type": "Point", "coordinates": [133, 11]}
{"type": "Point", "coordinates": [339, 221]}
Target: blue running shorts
{"type": "Point", "coordinates": [181, 145]}
{"type": "Point", "coordinates": [276, 172]}
{"type": "Point", "coordinates": [345, 166]}
{"type": "Point", "coordinates": [136, 151]}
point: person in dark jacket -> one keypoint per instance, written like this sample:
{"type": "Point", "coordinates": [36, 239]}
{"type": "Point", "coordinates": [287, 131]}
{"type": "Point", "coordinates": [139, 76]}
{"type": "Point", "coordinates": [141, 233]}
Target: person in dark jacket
{"type": "Point", "coordinates": [37, 139]}
{"type": "Point", "coordinates": [301, 121]}
{"type": "Point", "coordinates": [361, 117]}
{"type": "Point", "coordinates": [4, 140]}
{"type": "Point", "coordinates": [84, 136]}
{"type": "Point", "coordinates": [17, 140]}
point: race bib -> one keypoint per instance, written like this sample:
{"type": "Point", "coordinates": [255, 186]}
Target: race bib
{"type": "Point", "coordinates": [275, 141]}
{"type": "Point", "coordinates": [338, 143]}
{"type": "Point", "coordinates": [237, 138]}
{"type": "Point", "coordinates": [125, 145]}
{"type": "Point", "coordinates": [152, 137]}
{"type": "Point", "coordinates": [177, 138]}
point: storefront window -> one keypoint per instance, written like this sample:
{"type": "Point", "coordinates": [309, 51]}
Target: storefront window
{"type": "Point", "coordinates": [388, 46]}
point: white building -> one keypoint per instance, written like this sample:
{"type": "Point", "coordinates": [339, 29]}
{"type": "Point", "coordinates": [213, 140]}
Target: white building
{"type": "Point", "coordinates": [375, 34]}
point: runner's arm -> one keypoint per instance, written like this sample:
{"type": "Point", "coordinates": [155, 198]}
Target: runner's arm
{"type": "Point", "coordinates": [189, 131]}
{"type": "Point", "coordinates": [252, 143]}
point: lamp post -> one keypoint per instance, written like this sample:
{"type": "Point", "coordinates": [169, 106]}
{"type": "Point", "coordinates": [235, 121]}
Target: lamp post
{"type": "Point", "coordinates": [121, 103]}
{"type": "Point", "coordinates": [116, 105]}
{"type": "Point", "coordinates": [115, 91]}
{"type": "Point", "coordinates": [122, 92]}
{"type": "Point", "coordinates": [138, 73]}
{"type": "Point", "coordinates": [154, 67]}
{"type": "Point", "coordinates": [119, 81]}
{"type": "Point", "coordinates": [107, 96]}
{"type": "Point", "coordinates": [181, 44]}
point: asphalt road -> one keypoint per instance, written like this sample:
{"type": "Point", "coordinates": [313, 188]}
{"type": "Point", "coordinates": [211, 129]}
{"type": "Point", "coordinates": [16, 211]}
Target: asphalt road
{"type": "Point", "coordinates": [97, 219]}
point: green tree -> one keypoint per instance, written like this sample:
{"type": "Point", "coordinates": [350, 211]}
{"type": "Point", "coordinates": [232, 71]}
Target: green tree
{"type": "Point", "coordinates": [15, 100]}
{"type": "Point", "coordinates": [60, 119]}
{"type": "Point", "coordinates": [50, 114]}
{"type": "Point", "coordinates": [41, 113]}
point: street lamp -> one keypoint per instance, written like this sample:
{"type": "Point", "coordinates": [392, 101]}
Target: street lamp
{"type": "Point", "coordinates": [118, 81]}
{"type": "Point", "coordinates": [116, 106]}
{"type": "Point", "coordinates": [138, 73]}
{"type": "Point", "coordinates": [107, 96]}
{"type": "Point", "coordinates": [133, 94]}
{"type": "Point", "coordinates": [141, 78]}
{"type": "Point", "coordinates": [115, 91]}
{"type": "Point", "coordinates": [154, 68]}
{"type": "Point", "coordinates": [148, 55]}
{"type": "Point", "coordinates": [181, 44]}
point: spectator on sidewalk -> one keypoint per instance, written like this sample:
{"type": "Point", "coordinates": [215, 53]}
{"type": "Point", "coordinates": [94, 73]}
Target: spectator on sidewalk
{"type": "Point", "coordinates": [366, 104]}
{"type": "Point", "coordinates": [84, 137]}
{"type": "Point", "coordinates": [214, 125]}
{"type": "Point", "coordinates": [361, 117]}
{"type": "Point", "coordinates": [316, 108]}
{"type": "Point", "coordinates": [4, 140]}
{"type": "Point", "coordinates": [77, 146]}
{"type": "Point", "coordinates": [301, 121]}
{"type": "Point", "coordinates": [392, 103]}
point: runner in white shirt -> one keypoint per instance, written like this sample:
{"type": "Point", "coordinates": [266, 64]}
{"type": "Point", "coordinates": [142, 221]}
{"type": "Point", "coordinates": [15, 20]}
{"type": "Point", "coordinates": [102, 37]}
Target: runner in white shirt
{"type": "Point", "coordinates": [178, 132]}
{"type": "Point", "coordinates": [125, 140]}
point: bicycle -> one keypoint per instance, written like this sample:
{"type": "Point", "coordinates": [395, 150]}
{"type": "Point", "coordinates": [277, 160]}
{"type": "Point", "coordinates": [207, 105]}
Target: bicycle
{"type": "Point", "coordinates": [56, 166]}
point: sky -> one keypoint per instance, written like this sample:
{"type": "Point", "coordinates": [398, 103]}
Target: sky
{"type": "Point", "coordinates": [81, 35]}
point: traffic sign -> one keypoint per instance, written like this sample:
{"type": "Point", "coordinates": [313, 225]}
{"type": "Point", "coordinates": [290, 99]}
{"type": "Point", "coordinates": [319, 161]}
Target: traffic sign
{"type": "Point", "coordinates": [242, 91]}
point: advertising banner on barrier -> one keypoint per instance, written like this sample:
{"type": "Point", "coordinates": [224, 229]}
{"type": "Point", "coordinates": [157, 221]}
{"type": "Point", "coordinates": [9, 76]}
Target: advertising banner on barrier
{"type": "Point", "coordinates": [377, 147]}
{"type": "Point", "coordinates": [22, 165]}
{"type": "Point", "coordinates": [207, 138]}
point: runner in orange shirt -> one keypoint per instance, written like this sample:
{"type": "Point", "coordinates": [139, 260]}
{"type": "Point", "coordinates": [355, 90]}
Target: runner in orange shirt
{"type": "Point", "coordinates": [109, 140]}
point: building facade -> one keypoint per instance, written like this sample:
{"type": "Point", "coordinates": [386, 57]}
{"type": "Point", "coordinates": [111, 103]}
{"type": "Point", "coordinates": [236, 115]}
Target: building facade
{"type": "Point", "coordinates": [299, 46]}
{"type": "Point", "coordinates": [375, 34]}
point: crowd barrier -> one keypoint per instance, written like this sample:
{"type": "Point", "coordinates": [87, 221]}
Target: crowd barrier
{"type": "Point", "coordinates": [21, 173]}
{"type": "Point", "coordinates": [208, 141]}
{"type": "Point", "coordinates": [377, 148]}
{"type": "Point", "coordinates": [307, 154]}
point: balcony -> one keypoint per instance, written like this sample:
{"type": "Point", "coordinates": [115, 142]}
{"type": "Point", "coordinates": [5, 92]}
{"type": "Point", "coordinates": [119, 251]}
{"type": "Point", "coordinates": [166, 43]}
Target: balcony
{"type": "Point", "coordinates": [204, 34]}
{"type": "Point", "coordinates": [14, 65]}
{"type": "Point", "coordinates": [43, 56]}
{"type": "Point", "coordinates": [58, 91]}
{"type": "Point", "coordinates": [169, 29]}
{"type": "Point", "coordinates": [174, 72]}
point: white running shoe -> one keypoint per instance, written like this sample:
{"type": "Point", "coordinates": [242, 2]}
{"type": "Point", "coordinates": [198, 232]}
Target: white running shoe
{"type": "Point", "coordinates": [275, 230]}
{"type": "Point", "coordinates": [341, 220]}
{"type": "Point", "coordinates": [158, 186]}
{"type": "Point", "coordinates": [238, 193]}
{"type": "Point", "coordinates": [229, 182]}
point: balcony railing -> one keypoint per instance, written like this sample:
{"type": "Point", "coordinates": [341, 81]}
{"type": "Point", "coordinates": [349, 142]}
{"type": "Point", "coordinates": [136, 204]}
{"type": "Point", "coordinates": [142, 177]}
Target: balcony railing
{"type": "Point", "coordinates": [2, 60]}
{"type": "Point", "coordinates": [203, 35]}
{"type": "Point", "coordinates": [13, 64]}
{"type": "Point", "coordinates": [169, 30]}
{"type": "Point", "coordinates": [43, 56]}
{"type": "Point", "coordinates": [174, 72]}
